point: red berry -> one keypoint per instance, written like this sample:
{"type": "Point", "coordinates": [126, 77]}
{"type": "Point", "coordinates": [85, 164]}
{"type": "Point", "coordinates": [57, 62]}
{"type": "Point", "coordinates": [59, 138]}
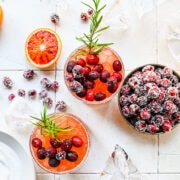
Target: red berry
{"type": "Point", "coordinates": [118, 76]}
{"type": "Point", "coordinates": [104, 75]}
{"type": "Point", "coordinates": [7, 82]}
{"type": "Point", "coordinates": [77, 141]}
{"type": "Point", "coordinates": [90, 96]}
{"type": "Point", "coordinates": [117, 65]}
{"type": "Point", "coordinates": [81, 62]}
{"type": "Point", "coordinates": [55, 85]}
{"type": "Point", "coordinates": [152, 128]}
{"type": "Point", "coordinates": [92, 59]}
{"type": "Point", "coordinates": [90, 11]}
{"type": "Point", "coordinates": [11, 96]}
{"type": "Point", "coordinates": [21, 92]}
{"type": "Point", "coordinates": [98, 68]}
{"type": "Point", "coordinates": [51, 151]}
{"type": "Point", "coordinates": [55, 143]}
{"type": "Point", "coordinates": [99, 96]}
{"type": "Point", "coordinates": [113, 88]}
{"type": "Point", "coordinates": [166, 126]}
{"type": "Point", "coordinates": [72, 156]}
{"type": "Point", "coordinates": [36, 142]}
{"type": "Point", "coordinates": [55, 19]}
{"type": "Point", "coordinates": [32, 93]}
{"type": "Point", "coordinates": [66, 144]}
{"type": "Point", "coordinates": [28, 74]}
{"type": "Point", "coordinates": [84, 17]}
{"type": "Point", "coordinates": [41, 153]}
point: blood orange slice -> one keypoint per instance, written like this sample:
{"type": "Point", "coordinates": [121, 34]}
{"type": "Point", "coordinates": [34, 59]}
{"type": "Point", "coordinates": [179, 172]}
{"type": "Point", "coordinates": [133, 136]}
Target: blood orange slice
{"type": "Point", "coordinates": [43, 47]}
{"type": "Point", "coordinates": [1, 15]}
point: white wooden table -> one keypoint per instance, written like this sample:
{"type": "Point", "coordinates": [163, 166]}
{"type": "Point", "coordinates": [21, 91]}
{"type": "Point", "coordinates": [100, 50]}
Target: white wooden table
{"type": "Point", "coordinates": [143, 42]}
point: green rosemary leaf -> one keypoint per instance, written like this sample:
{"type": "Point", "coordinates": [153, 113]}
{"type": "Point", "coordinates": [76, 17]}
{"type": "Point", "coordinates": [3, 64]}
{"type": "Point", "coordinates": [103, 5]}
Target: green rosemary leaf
{"type": "Point", "coordinates": [102, 29]}
{"type": "Point", "coordinates": [88, 5]}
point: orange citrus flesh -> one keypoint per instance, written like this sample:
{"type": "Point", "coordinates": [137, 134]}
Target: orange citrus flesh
{"type": "Point", "coordinates": [106, 58]}
{"type": "Point", "coordinates": [65, 165]}
{"type": "Point", "coordinates": [1, 15]}
{"type": "Point", "coordinates": [43, 47]}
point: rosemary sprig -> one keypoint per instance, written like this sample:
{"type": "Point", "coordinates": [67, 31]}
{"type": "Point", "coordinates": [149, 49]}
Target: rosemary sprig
{"type": "Point", "coordinates": [91, 40]}
{"type": "Point", "coordinates": [48, 125]}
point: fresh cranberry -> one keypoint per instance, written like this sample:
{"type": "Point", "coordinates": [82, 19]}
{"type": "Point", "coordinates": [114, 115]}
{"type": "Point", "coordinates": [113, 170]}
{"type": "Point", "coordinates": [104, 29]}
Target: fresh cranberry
{"type": "Point", "coordinates": [166, 126]}
{"type": "Point", "coordinates": [99, 96]}
{"type": "Point", "coordinates": [82, 93]}
{"type": "Point", "coordinates": [55, 19]}
{"type": "Point", "coordinates": [93, 75]}
{"type": "Point", "coordinates": [36, 142]}
{"type": "Point", "coordinates": [55, 85]}
{"type": "Point", "coordinates": [69, 77]}
{"type": "Point", "coordinates": [117, 65]}
{"type": "Point", "coordinates": [28, 74]}
{"type": "Point", "coordinates": [72, 156]}
{"type": "Point", "coordinates": [84, 17]}
{"type": "Point", "coordinates": [53, 162]}
{"type": "Point", "coordinates": [41, 153]}
{"type": "Point", "coordinates": [66, 144]}
{"type": "Point", "coordinates": [70, 66]}
{"type": "Point", "coordinates": [89, 84]}
{"type": "Point", "coordinates": [81, 62]}
{"type": "Point", "coordinates": [92, 59]}
{"type": "Point", "coordinates": [113, 89]}
{"type": "Point", "coordinates": [86, 70]}
{"type": "Point", "coordinates": [55, 143]}
{"type": "Point", "coordinates": [117, 75]}
{"type": "Point", "coordinates": [98, 68]}
{"type": "Point", "coordinates": [11, 96]}
{"type": "Point", "coordinates": [77, 141]}
{"type": "Point", "coordinates": [32, 93]}
{"type": "Point", "coordinates": [104, 75]}
{"type": "Point", "coordinates": [51, 151]}
{"type": "Point", "coordinates": [78, 71]}
{"type": "Point", "coordinates": [112, 81]}
{"type": "Point", "coordinates": [90, 96]}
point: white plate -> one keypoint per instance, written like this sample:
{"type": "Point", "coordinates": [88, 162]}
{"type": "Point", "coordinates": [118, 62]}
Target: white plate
{"type": "Point", "coordinates": [15, 164]}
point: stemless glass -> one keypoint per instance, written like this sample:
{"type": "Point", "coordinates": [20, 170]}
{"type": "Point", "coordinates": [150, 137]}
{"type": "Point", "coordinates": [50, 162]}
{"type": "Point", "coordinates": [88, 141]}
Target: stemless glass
{"type": "Point", "coordinates": [78, 129]}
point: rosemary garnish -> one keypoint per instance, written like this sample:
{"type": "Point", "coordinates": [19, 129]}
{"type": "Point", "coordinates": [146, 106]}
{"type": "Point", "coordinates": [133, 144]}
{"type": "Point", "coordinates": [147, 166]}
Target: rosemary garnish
{"type": "Point", "coordinates": [49, 126]}
{"type": "Point", "coordinates": [91, 39]}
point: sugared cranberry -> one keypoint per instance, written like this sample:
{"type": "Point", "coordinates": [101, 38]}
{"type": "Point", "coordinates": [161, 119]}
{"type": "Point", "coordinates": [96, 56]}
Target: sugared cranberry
{"type": "Point", "coordinates": [104, 75]}
{"type": "Point", "coordinates": [82, 93]}
{"type": "Point", "coordinates": [47, 101]}
{"type": "Point", "coordinates": [28, 74]}
{"type": "Point", "coordinates": [165, 82]}
{"type": "Point", "coordinates": [60, 155]}
{"type": "Point", "coordinates": [133, 82]}
{"type": "Point", "coordinates": [77, 141]}
{"type": "Point", "coordinates": [141, 126]}
{"type": "Point", "coordinates": [166, 126]}
{"type": "Point", "coordinates": [46, 83]}
{"type": "Point", "coordinates": [51, 151]}
{"type": "Point", "coordinates": [55, 85]}
{"type": "Point", "coordinates": [170, 107]}
{"type": "Point", "coordinates": [41, 153]}
{"type": "Point", "coordinates": [152, 128]}
{"type": "Point", "coordinates": [7, 82]}
{"type": "Point", "coordinates": [117, 66]}
{"type": "Point", "coordinates": [32, 93]}
{"type": "Point", "coordinates": [84, 17]}
{"type": "Point", "coordinates": [158, 120]}
{"type": "Point", "coordinates": [21, 92]}
{"type": "Point", "coordinates": [55, 19]}
{"type": "Point", "coordinates": [53, 162]}
{"type": "Point", "coordinates": [142, 100]}
{"type": "Point", "coordinates": [126, 111]}
{"type": "Point", "coordinates": [153, 93]}
{"type": "Point", "coordinates": [124, 100]}
{"type": "Point", "coordinates": [70, 66]}
{"type": "Point", "coordinates": [125, 90]}
{"type": "Point", "coordinates": [72, 156]}
{"type": "Point", "coordinates": [145, 113]}
{"type": "Point", "coordinates": [78, 71]}
{"type": "Point", "coordinates": [90, 96]}
{"type": "Point", "coordinates": [36, 142]}
{"type": "Point", "coordinates": [155, 106]}
{"type": "Point", "coordinates": [66, 144]}
{"type": "Point", "coordinates": [99, 96]}
{"type": "Point", "coordinates": [133, 109]}
{"type": "Point", "coordinates": [92, 59]}
{"type": "Point", "coordinates": [81, 62]}
{"type": "Point", "coordinates": [11, 96]}
{"type": "Point", "coordinates": [42, 94]}
{"type": "Point", "coordinates": [54, 143]}
{"type": "Point", "coordinates": [61, 105]}
{"type": "Point", "coordinates": [172, 92]}
{"type": "Point", "coordinates": [69, 77]}
{"type": "Point", "coordinates": [148, 68]}
{"type": "Point", "coordinates": [133, 98]}
{"type": "Point", "coordinates": [76, 87]}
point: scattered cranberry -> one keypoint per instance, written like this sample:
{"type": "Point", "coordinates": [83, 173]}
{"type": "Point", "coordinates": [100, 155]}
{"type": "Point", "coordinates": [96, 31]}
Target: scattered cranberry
{"type": "Point", "coordinates": [46, 83]}
{"type": "Point", "coordinates": [72, 156]}
{"type": "Point", "coordinates": [36, 142]}
{"type": "Point", "coordinates": [66, 145]}
{"type": "Point", "coordinates": [61, 105]}
{"type": "Point", "coordinates": [92, 59]}
{"type": "Point", "coordinates": [42, 94]}
{"type": "Point", "coordinates": [84, 17]}
{"type": "Point", "coordinates": [28, 74]}
{"type": "Point", "coordinates": [117, 65]}
{"type": "Point", "coordinates": [55, 19]}
{"type": "Point", "coordinates": [55, 86]}
{"type": "Point", "coordinates": [47, 101]}
{"type": "Point", "coordinates": [90, 11]}
{"type": "Point", "coordinates": [77, 141]}
{"type": "Point", "coordinates": [32, 93]}
{"type": "Point", "coordinates": [7, 82]}
{"type": "Point", "coordinates": [11, 96]}
{"type": "Point", "coordinates": [21, 92]}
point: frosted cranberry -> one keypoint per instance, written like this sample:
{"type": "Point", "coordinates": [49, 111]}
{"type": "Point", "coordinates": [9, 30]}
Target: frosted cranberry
{"type": "Point", "coordinates": [145, 113]}
{"type": "Point", "coordinates": [149, 85]}
{"type": "Point", "coordinates": [60, 105]}
{"type": "Point", "coordinates": [81, 62]}
{"type": "Point", "coordinates": [148, 68]}
{"type": "Point", "coordinates": [11, 96]}
{"type": "Point", "coordinates": [162, 95]}
{"type": "Point", "coordinates": [124, 100]}
{"type": "Point", "coordinates": [51, 151]}
{"type": "Point", "coordinates": [82, 93]}
{"type": "Point", "coordinates": [149, 76]}
{"type": "Point", "coordinates": [47, 101]}
{"type": "Point", "coordinates": [98, 68]}
{"type": "Point", "coordinates": [133, 109]}
{"type": "Point", "coordinates": [99, 96]}
{"type": "Point", "coordinates": [92, 59]}
{"type": "Point", "coordinates": [55, 19]}
{"type": "Point", "coordinates": [75, 86]}
{"type": "Point", "coordinates": [7, 82]}
{"type": "Point", "coordinates": [155, 106]}
{"type": "Point", "coordinates": [137, 74]}
{"type": "Point", "coordinates": [141, 126]}
{"type": "Point", "coordinates": [60, 155]}
{"type": "Point", "coordinates": [113, 88]}
{"type": "Point", "coordinates": [133, 98]}
{"type": "Point", "coordinates": [32, 93]}
{"type": "Point", "coordinates": [126, 111]}
{"type": "Point", "coordinates": [78, 71]}
{"type": "Point", "coordinates": [53, 162]}
{"type": "Point", "coordinates": [172, 92]}
{"type": "Point", "coordinates": [174, 79]}
{"type": "Point", "coordinates": [142, 100]}
{"type": "Point", "coordinates": [93, 75]}
{"type": "Point", "coordinates": [177, 116]}
{"type": "Point", "coordinates": [70, 66]}
{"type": "Point", "coordinates": [41, 153]}
{"type": "Point", "coordinates": [77, 141]}
{"type": "Point", "coordinates": [166, 126]}
{"type": "Point", "coordinates": [125, 89]}
{"type": "Point", "coordinates": [117, 66]}
{"type": "Point", "coordinates": [133, 82]}
{"type": "Point", "coordinates": [89, 84]}
{"type": "Point", "coordinates": [55, 85]}
{"type": "Point", "coordinates": [36, 142]}
{"type": "Point", "coordinates": [28, 74]}
{"type": "Point", "coordinates": [84, 17]}
{"type": "Point", "coordinates": [46, 83]}
{"type": "Point", "coordinates": [152, 128]}
{"type": "Point", "coordinates": [157, 120]}
{"type": "Point", "coordinates": [90, 96]}
{"type": "Point", "coordinates": [165, 82]}
{"type": "Point", "coordinates": [21, 92]}
{"type": "Point", "coordinates": [66, 144]}
{"type": "Point", "coordinates": [166, 72]}
{"type": "Point", "coordinates": [72, 156]}
{"type": "Point", "coordinates": [104, 75]}
{"type": "Point", "coordinates": [153, 93]}
{"type": "Point", "coordinates": [54, 143]}
{"type": "Point", "coordinates": [117, 75]}
{"type": "Point", "coordinates": [170, 107]}
{"type": "Point", "coordinates": [42, 94]}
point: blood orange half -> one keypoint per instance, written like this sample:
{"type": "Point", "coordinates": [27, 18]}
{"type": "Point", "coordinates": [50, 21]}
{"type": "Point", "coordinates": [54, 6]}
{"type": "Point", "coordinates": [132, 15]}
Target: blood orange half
{"type": "Point", "coordinates": [43, 47]}
{"type": "Point", "coordinates": [1, 15]}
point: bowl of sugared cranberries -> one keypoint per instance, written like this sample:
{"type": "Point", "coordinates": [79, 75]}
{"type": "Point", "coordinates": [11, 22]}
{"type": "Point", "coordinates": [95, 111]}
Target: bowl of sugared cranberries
{"type": "Point", "coordinates": [94, 79]}
{"type": "Point", "coordinates": [149, 99]}
{"type": "Point", "coordinates": [64, 151]}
